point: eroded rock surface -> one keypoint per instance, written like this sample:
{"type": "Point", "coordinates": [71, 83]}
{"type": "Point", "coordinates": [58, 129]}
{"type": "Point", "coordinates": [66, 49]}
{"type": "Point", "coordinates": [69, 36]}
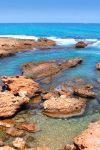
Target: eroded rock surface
{"type": "Point", "coordinates": [9, 104]}
{"type": "Point", "coordinates": [90, 138]}
{"type": "Point", "coordinates": [64, 106]}
{"type": "Point", "coordinates": [41, 70]}
{"type": "Point", "coordinates": [84, 91]}
{"type": "Point", "coordinates": [22, 86]}
{"type": "Point", "coordinates": [9, 46]}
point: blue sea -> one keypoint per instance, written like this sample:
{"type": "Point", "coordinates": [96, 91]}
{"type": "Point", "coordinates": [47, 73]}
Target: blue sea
{"type": "Point", "coordinates": [56, 133]}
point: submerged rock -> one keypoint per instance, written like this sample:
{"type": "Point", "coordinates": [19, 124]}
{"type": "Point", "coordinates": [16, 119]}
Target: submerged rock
{"type": "Point", "coordinates": [22, 86]}
{"type": "Point", "coordinates": [43, 70]}
{"type": "Point", "coordinates": [84, 91]}
{"type": "Point", "coordinates": [14, 132]}
{"type": "Point", "coordinates": [90, 138]}
{"type": "Point", "coordinates": [9, 46]}
{"type": "Point", "coordinates": [80, 44]}
{"type": "Point", "coordinates": [31, 127]}
{"type": "Point", "coordinates": [98, 66]}
{"type": "Point", "coordinates": [64, 107]}
{"type": "Point", "coordinates": [9, 104]}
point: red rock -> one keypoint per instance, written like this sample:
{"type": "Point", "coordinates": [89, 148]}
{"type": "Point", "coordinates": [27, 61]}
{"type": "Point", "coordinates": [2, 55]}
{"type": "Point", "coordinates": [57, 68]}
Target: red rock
{"type": "Point", "coordinates": [81, 44]}
{"type": "Point", "coordinates": [9, 104]}
{"type": "Point", "coordinates": [43, 70]}
{"type": "Point", "coordinates": [98, 66]}
{"type": "Point", "coordinates": [21, 85]}
{"type": "Point", "coordinates": [32, 127]}
{"type": "Point", "coordinates": [64, 107]}
{"type": "Point", "coordinates": [39, 148]}
{"type": "Point", "coordinates": [9, 46]}
{"type": "Point", "coordinates": [90, 138]}
{"type": "Point", "coordinates": [70, 147]}
{"type": "Point", "coordinates": [8, 123]}
{"type": "Point", "coordinates": [84, 91]}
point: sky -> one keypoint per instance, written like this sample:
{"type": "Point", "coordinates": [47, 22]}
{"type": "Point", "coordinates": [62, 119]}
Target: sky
{"type": "Point", "coordinates": [50, 11]}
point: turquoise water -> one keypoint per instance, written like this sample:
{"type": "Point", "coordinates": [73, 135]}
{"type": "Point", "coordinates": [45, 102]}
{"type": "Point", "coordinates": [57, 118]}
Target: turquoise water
{"type": "Point", "coordinates": [57, 132]}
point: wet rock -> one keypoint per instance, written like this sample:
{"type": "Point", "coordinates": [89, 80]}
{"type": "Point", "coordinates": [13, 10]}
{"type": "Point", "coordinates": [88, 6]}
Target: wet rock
{"type": "Point", "coordinates": [43, 70]}
{"type": "Point", "coordinates": [50, 94]}
{"type": "Point", "coordinates": [80, 44]}
{"type": "Point", "coordinates": [9, 104]}
{"type": "Point", "coordinates": [19, 143]}
{"type": "Point", "coordinates": [84, 91]}
{"type": "Point", "coordinates": [1, 142]}
{"type": "Point", "coordinates": [70, 147]}
{"type": "Point", "coordinates": [31, 127]}
{"type": "Point", "coordinates": [9, 46]}
{"type": "Point", "coordinates": [14, 132]}
{"type": "Point", "coordinates": [6, 148]}
{"type": "Point", "coordinates": [98, 66]}
{"type": "Point", "coordinates": [98, 80]}
{"type": "Point", "coordinates": [90, 138]}
{"type": "Point", "coordinates": [21, 86]}
{"type": "Point", "coordinates": [64, 107]}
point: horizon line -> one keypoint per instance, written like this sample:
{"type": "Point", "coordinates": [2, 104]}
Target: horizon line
{"type": "Point", "coordinates": [51, 22]}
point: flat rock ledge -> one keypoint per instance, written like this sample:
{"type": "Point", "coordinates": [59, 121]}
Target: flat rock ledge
{"type": "Point", "coordinates": [98, 66]}
{"type": "Point", "coordinates": [43, 70]}
{"type": "Point", "coordinates": [22, 86]}
{"type": "Point", "coordinates": [64, 107]}
{"type": "Point", "coordinates": [90, 138]}
{"type": "Point", "coordinates": [9, 104]}
{"type": "Point", "coordinates": [9, 46]}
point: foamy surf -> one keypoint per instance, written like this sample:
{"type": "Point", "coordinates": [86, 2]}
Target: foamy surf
{"type": "Point", "coordinates": [59, 41]}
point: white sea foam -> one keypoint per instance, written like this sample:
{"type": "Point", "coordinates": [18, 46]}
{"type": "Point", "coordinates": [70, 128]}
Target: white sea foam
{"type": "Point", "coordinates": [21, 37]}
{"type": "Point", "coordinates": [60, 41]}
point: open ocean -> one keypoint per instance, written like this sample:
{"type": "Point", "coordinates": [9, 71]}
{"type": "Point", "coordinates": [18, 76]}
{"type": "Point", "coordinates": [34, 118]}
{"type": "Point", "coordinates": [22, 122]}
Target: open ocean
{"type": "Point", "coordinates": [53, 130]}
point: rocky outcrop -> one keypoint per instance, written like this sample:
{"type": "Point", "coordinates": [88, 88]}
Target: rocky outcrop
{"type": "Point", "coordinates": [41, 70]}
{"type": "Point", "coordinates": [9, 104]}
{"type": "Point", "coordinates": [6, 148]}
{"type": "Point", "coordinates": [98, 66]}
{"type": "Point", "coordinates": [19, 143]}
{"type": "Point", "coordinates": [9, 46]}
{"type": "Point", "coordinates": [80, 44]}
{"type": "Point", "coordinates": [84, 91]}
{"type": "Point", "coordinates": [90, 138]}
{"type": "Point", "coordinates": [64, 107]}
{"type": "Point", "coordinates": [21, 86]}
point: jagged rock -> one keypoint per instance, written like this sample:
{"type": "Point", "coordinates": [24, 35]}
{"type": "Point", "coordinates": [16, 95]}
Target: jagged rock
{"type": "Point", "coordinates": [22, 86]}
{"type": "Point", "coordinates": [70, 147]}
{"type": "Point", "coordinates": [9, 104]}
{"type": "Point", "coordinates": [64, 107]}
{"type": "Point", "coordinates": [90, 138]}
{"type": "Point", "coordinates": [8, 123]}
{"type": "Point", "coordinates": [81, 44]}
{"type": "Point", "coordinates": [44, 70]}
{"type": "Point", "coordinates": [98, 66]}
{"type": "Point", "coordinates": [84, 91]}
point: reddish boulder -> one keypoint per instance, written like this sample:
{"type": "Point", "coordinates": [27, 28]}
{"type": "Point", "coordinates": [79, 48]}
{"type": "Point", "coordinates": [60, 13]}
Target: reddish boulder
{"type": "Point", "coordinates": [43, 70]}
{"type": "Point", "coordinates": [64, 107]}
{"type": "Point", "coordinates": [80, 44]}
{"type": "Point", "coordinates": [98, 66]}
{"type": "Point", "coordinates": [9, 104]}
{"type": "Point", "coordinates": [90, 138]}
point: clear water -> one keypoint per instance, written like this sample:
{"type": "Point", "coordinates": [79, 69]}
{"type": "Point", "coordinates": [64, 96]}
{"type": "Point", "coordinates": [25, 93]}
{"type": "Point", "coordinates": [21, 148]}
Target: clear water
{"type": "Point", "coordinates": [57, 132]}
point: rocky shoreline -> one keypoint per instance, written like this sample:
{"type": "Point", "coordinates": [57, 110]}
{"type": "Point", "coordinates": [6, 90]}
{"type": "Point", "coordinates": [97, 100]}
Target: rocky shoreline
{"type": "Point", "coordinates": [23, 93]}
